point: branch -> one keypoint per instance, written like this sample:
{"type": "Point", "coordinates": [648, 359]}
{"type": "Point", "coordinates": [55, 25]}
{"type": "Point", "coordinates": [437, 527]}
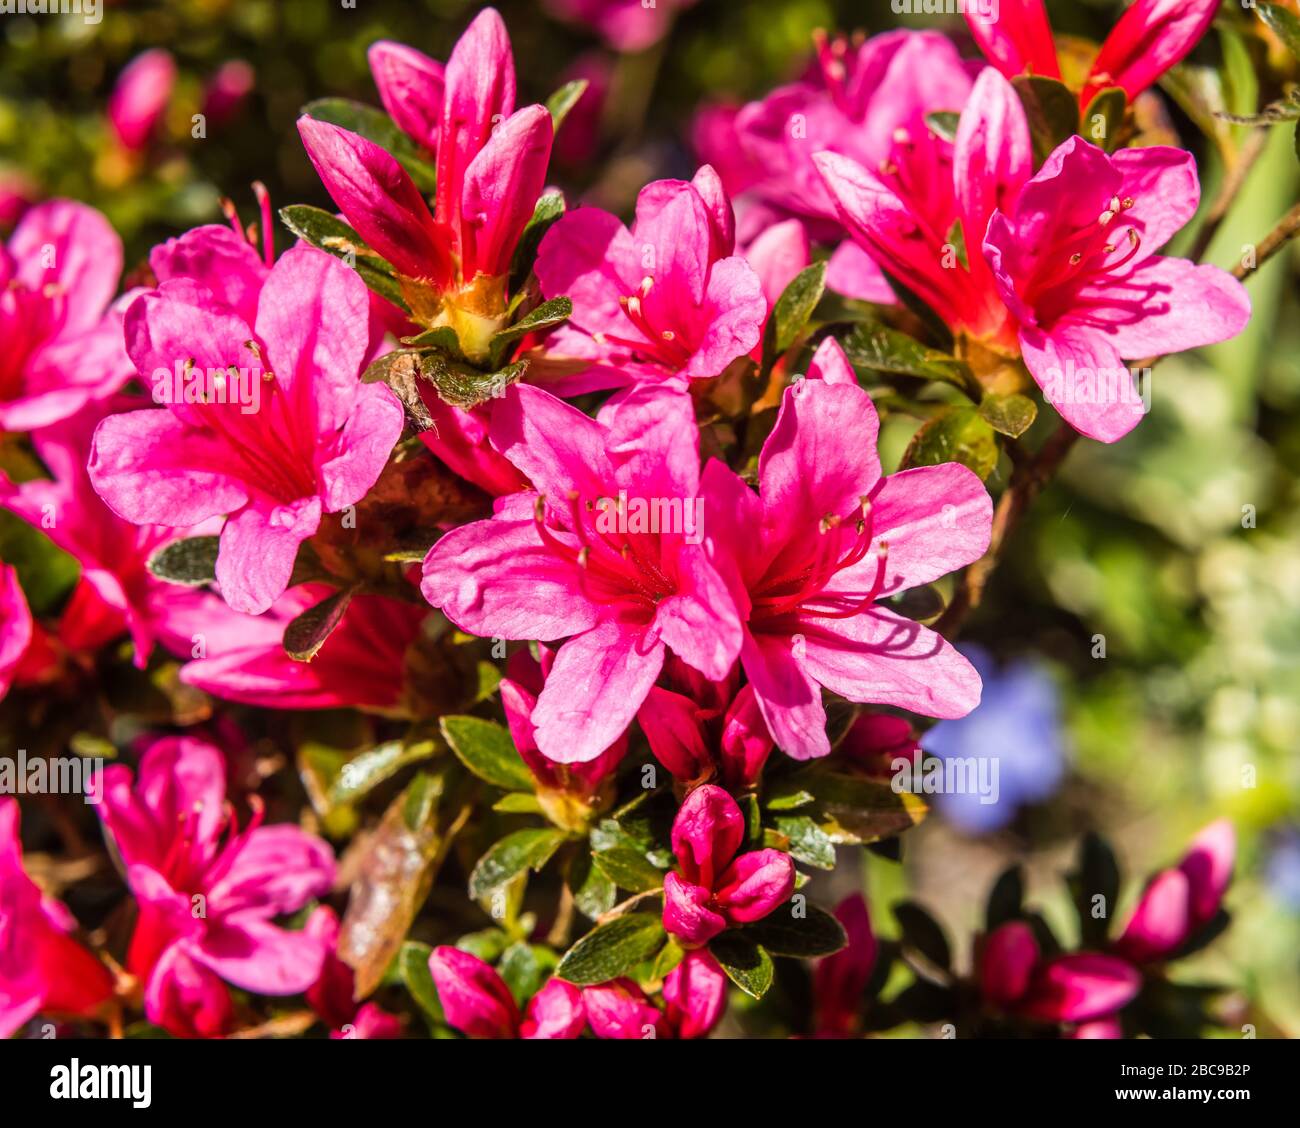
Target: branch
{"type": "Point", "coordinates": [1288, 227]}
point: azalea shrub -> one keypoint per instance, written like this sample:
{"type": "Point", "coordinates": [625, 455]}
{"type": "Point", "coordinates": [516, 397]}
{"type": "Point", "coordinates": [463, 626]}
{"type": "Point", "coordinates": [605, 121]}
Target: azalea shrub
{"type": "Point", "coordinates": [544, 585]}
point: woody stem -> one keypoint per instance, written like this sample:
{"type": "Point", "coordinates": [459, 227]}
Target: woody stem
{"type": "Point", "coordinates": [1287, 228]}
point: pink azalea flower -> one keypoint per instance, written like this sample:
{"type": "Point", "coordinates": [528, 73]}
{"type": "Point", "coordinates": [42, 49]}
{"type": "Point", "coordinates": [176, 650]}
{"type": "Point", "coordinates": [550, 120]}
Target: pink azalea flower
{"type": "Point", "coordinates": [454, 261]}
{"type": "Point", "coordinates": [314, 442]}
{"type": "Point", "coordinates": [1150, 37]}
{"type": "Point", "coordinates": [140, 96]}
{"type": "Point", "coordinates": [227, 90]}
{"type": "Point", "coordinates": [567, 791]}
{"type": "Point", "coordinates": [411, 86]}
{"type": "Point", "coordinates": [361, 666]}
{"type": "Point", "coordinates": [113, 553]}
{"type": "Point", "coordinates": [626, 25]}
{"type": "Point", "coordinates": [695, 995]}
{"type": "Point", "coordinates": [904, 210]}
{"type": "Point", "coordinates": [63, 348]}
{"type": "Point", "coordinates": [208, 891]}
{"type": "Point", "coordinates": [1074, 259]}
{"type": "Point", "coordinates": [459, 439]}
{"type": "Point", "coordinates": [42, 969]}
{"type": "Point", "coordinates": [477, 1002]}
{"type": "Point", "coordinates": [619, 1011]}
{"type": "Point", "coordinates": [827, 536]}
{"type": "Point", "coordinates": [840, 979]}
{"type": "Point", "coordinates": [1083, 987]}
{"type": "Point", "coordinates": [667, 299]}
{"type": "Point", "coordinates": [15, 627]}
{"type": "Point", "coordinates": [332, 996]}
{"type": "Point", "coordinates": [715, 886]}
{"type": "Point", "coordinates": [708, 730]}
{"type": "Point", "coordinates": [570, 560]}
{"type": "Point", "coordinates": [1179, 902]}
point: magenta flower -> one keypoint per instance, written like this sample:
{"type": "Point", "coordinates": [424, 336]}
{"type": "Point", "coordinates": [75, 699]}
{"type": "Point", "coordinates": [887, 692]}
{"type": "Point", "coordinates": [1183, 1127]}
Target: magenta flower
{"type": "Point", "coordinates": [695, 995]}
{"type": "Point", "coordinates": [1074, 259]}
{"type": "Point", "coordinates": [140, 96]}
{"type": "Point", "coordinates": [459, 439]}
{"type": "Point", "coordinates": [42, 969]}
{"type": "Point", "coordinates": [903, 210]}
{"type": "Point", "coordinates": [454, 261]}
{"type": "Point", "coordinates": [840, 979]}
{"type": "Point", "coordinates": [411, 86]}
{"type": "Point", "coordinates": [477, 1002]}
{"type": "Point", "coordinates": [62, 345]}
{"type": "Point", "coordinates": [208, 891]}
{"type": "Point", "coordinates": [715, 887]}
{"type": "Point", "coordinates": [227, 90]}
{"type": "Point", "coordinates": [669, 298]}
{"type": "Point", "coordinates": [113, 553]}
{"type": "Point", "coordinates": [827, 536]}
{"type": "Point", "coordinates": [281, 431]}
{"type": "Point", "coordinates": [626, 25]}
{"type": "Point", "coordinates": [1082, 987]}
{"type": "Point", "coordinates": [16, 627]}
{"type": "Point", "coordinates": [1150, 37]}
{"type": "Point", "coordinates": [1179, 902]}
{"type": "Point", "coordinates": [618, 1010]}
{"type": "Point", "coordinates": [595, 555]}
{"type": "Point", "coordinates": [332, 996]}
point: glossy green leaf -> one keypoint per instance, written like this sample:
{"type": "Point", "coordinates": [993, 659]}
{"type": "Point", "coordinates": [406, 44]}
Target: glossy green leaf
{"type": "Point", "coordinates": [747, 965]}
{"type": "Point", "coordinates": [792, 310]}
{"type": "Point", "coordinates": [191, 561]}
{"type": "Point", "coordinates": [505, 860]}
{"type": "Point", "coordinates": [816, 933]}
{"type": "Point", "coordinates": [612, 949]}
{"type": "Point", "coordinates": [1008, 414]}
{"type": "Point", "coordinates": [486, 749]}
{"type": "Point", "coordinates": [1051, 109]}
{"type": "Point", "coordinates": [306, 634]}
{"type": "Point", "coordinates": [958, 434]}
{"type": "Point", "coordinates": [329, 233]}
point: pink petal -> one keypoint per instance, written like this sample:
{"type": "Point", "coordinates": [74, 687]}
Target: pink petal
{"type": "Point", "coordinates": [186, 999]}
{"type": "Point", "coordinates": [1151, 36]}
{"type": "Point", "coordinates": [722, 219]}
{"type": "Point", "coordinates": [140, 95]}
{"type": "Point", "coordinates": [700, 625]}
{"type": "Point", "coordinates": [673, 730]}
{"type": "Point", "coordinates": [259, 956]}
{"type": "Point", "coordinates": [217, 258]}
{"type": "Point", "coordinates": [830, 364]}
{"type": "Point", "coordinates": [1007, 964]}
{"type": "Point", "coordinates": [734, 311]}
{"type": "Point", "coordinates": [85, 257]}
{"type": "Point", "coordinates": [707, 832]}
{"type": "Point", "coordinates": [745, 743]}
{"type": "Point", "coordinates": [276, 871]}
{"type": "Point", "coordinates": [410, 85]}
{"type": "Point", "coordinates": [1208, 866]}
{"type": "Point", "coordinates": [1018, 40]}
{"type": "Point", "coordinates": [992, 156]}
{"type": "Point", "coordinates": [695, 994]}
{"type": "Point", "coordinates": [590, 256]}
{"type": "Point", "coordinates": [369, 434]}
{"type": "Point", "coordinates": [555, 1012]}
{"type": "Point", "coordinates": [560, 449]}
{"type": "Point", "coordinates": [754, 885]}
{"type": "Point", "coordinates": [687, 914]}
{"type": "Point", "coordinates": [474, 997]}
{"type": "Point", "coordinates": [618, 1009]}
{"type": "Point", "coordinates": [1161, 921]}
{"type": "Point", "coordinates": [1080, 988]}
{"type": "Point", "coordinates": [840, 979]}
{"type": "Point", "coordinates": [259, 545]}
{"type": "Point", "coordinates": [1163, 184]}
{"type": "Point", "coordinates": [653, 442]}
{"type": "Point", "coordinates": [852, 272]}
{"type": "Point", "coordinates": [788, 696]}
{"type": "Point", "coordinates": [777, 256]}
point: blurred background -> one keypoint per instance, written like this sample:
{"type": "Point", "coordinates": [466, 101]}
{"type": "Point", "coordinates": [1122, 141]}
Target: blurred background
{"type": "Point", "coordinates": [1141, 643]}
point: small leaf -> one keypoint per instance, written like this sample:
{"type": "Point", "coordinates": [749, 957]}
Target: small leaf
{"type": "Point", "coordinates": [548, 210]}
{"type": "Point", "coordinates": [816, 934]}
{"type": "Point", "coordinates": [554, 312]}
{"type": "Point", "coordinates": [564, 99]}
{"type": "Point", "coordinates": [464, 386]}
{"type": "Point", "coordinates": [1010, 414]}
{"type": "Point", "coordinates": [789, 801]}
{"type": "Point", "coordinates": [881, 349]}
{"type": "Point", "coordinates": [1052, 111]}
{"type": "Point", "coordinates": [1103, 118]}
{"type": "Point", "coordinates": [792, 310]}
{"type": "Point", "coordinates": [192, 561]}
{"type": "Point", "coordinates": [628, 869]}
{"type": "Point", "coordinates": [328, 233]}
{"type": "Point", "coordinates": [413, 968]}
{"type": "Point", "coordinates": [958, 434]}
{"type": "Point", "coordinates": [1005, 898]}
{"type": "Point", "coordinates": [524, 850]}
{"type": "Point", "coordinates": [1284, 24]}
{"type": "Point", "coordinates": [593, 892]}
{"type": "Point", "coordinates": [943, 124]}
{"type": "Point", "coordinates": [853, 810]}
{"type": "Point", "coordinates": [486, 749]}
{"type": "Point", "coordinates": [1094, 884]}
{"type": "Point", "coordinates": [304, 637]}
{"type": "Point", "coordinates": [375, 125]}
{"type": "Point", "coordinates": [401, 371]}
{"type": "Point", "coordinates": [525, 967]}
{"type": "Point", "coordinates": [808, 842]}
{"type": "Point", "coordinates": [518, 803]}
{"type": "Point", "coordinates": [922, 932]}
{"type": "Point", "coordinates": [747, 965]}
{"type": "Point", "coordinates": [612, 949]}
{"type": "Point", "coordinates": [362, 774]}
{"type": "Point", "coordinates": [443, 338]}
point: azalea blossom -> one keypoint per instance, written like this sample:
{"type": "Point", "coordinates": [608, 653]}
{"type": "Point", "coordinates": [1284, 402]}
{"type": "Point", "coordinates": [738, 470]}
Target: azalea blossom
{"type": "Point", "coordinates": [840, 979]}
{"type": "Point", "coordinates": [668, 299]}
{"type": "Point", "coordinates": [478, 1003]}
{"type": "Point", "coordinates": [15, 627]}
{"type": "Point", "coordinates": [553, 563]}
{"type": "Point", "coordinates": [63, 345]}
{"type": "Point", "coordinates": [716, 886]}
{"type": "Point", "coordinates": [1074, 259]}
{"type": "Point", "coordinates": [454, 261]}
{"type": "Point", "coordinates": [826, 537]}
{"type": "Point", "coordinates": [140, 96]}
{"type": "Point", "coordinates": [1150, 37]}
{"type": "Point", "coordinates": [43, 970]}
{"type": "Point", "coordinates": [208, 890]}
{"type": "Point", "coordinates": [314, 441]}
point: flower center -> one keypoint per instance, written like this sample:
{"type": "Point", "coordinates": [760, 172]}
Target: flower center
{"type": "Point", "coordinates": [662, 346]}
{"type": "Point", "coordinates": [1085, 255]}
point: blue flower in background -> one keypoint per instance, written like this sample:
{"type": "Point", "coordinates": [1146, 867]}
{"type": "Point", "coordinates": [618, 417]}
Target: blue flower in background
{"type": "Point", "coordinates": [1012, 740]}
{"type": "Point", "coordinates": [1282, 865]}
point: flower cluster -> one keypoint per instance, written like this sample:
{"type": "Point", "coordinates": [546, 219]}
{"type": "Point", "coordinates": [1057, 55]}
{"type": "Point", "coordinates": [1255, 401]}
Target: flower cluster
{"type": "Point", "coordinates": [589, 527]}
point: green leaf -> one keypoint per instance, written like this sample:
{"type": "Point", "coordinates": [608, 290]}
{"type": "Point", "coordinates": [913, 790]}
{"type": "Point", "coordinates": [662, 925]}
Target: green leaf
{"type": "Point", "coordinates": [443, 338]}
{"type": "Point", "coordinates": [1051, 109]}
{"type": "Point", "coordinates": [464, 386]}
{"type": "Point", "coordinates": [789, 802]}
{"type": "Point", "coordinates": [628, 869]}
{"type": "Point", "coordinates": [747, 965]}
{"type": "Point", "coordinates": [1005, 898]}
{"type": "Point", "coordinates": [401, 371]}
{"type": "Point", "coordinates": [1008, 414]}
{"type": "Point", "coordinates": [792, 310]}
{"type": "Point", "coordinates": [1103, 118]}
{"type": "Point", "coordinates": [1094, 884]}
{"type": "Point", "coordinates": [304, 637]}
{"type": "Point", "coordinates": [548, 210]}
{"type": "Point", "coordinates": [818, 933]}
{"type": "Point", "coordinates": [853, 810]}
{"type": "Point", "coordinates": [525, 968]}
{"type": "Point", "coordinates": [922, 932]}
{"type": "Point", "coordinates": [612, 949]}
{"type": "Point", "coordinates": [808, 842]}
{"type": "Point", "coordinates": [943, 124]}
{"type": "Point", "coordinates": [524, 850]}
{"type": "Point", "coordinates": [564, 99]}
{"type": "Point", "coordinates": [362, 774]}
{"type": "Point", "coordinates": [1284, 24]}
{"type": "Point", "coordinates": [413, 969]}
{"type": "Point", "coordinates": [375, 125]}
{"type": "Point", "coordinates": [486, 749]}
{"type": "Point", "coordinates": [593, 892]}
{"type": "Point", "coordinates": [958, 434]}
{"type": "Point", "coordinates": [192, 561]}
{"type": "Point", "coordinates": [518, 803]}
{"type": "Point", "coordinates": [554, 312]}
{"type": "Point", "coordinates": [880, 349]}
{"type": "Point", "coordinates": [329, 233]}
